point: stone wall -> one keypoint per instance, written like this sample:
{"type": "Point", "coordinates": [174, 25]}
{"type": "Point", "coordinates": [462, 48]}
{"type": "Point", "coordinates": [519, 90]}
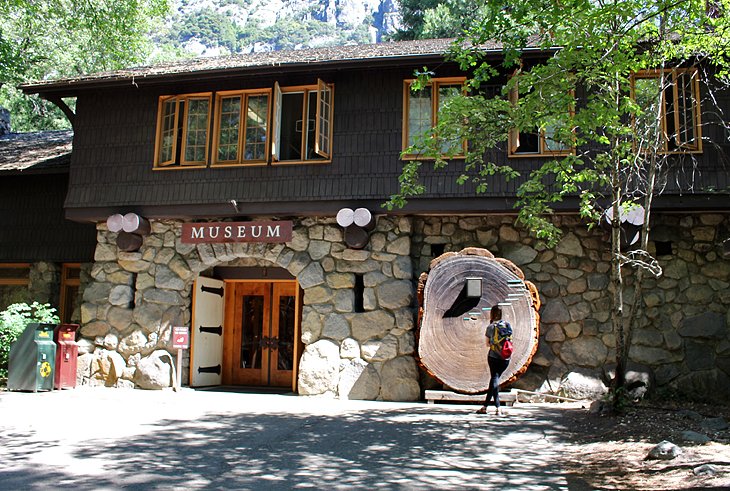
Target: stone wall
{"type": "Point", "coordinates": [682, 335]}
{"type": "Point", "coordinates": [136, 298]}
{"type": "Point", "coordinates": [682, 339]}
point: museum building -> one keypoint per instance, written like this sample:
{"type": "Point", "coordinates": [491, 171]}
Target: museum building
{"type": "Point", "coordinates": [215, 186]}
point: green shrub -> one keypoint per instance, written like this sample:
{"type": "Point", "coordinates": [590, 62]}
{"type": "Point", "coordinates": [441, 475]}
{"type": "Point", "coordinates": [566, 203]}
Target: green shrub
{"type": "Point", "coordinates": [13, 321]}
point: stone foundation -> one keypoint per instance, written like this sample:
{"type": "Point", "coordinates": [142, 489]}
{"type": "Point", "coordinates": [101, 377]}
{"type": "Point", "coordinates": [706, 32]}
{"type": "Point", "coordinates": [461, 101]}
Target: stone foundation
{"type": "Point", "coordinates": [136, 298]}
{"type": "Point", "coordinates": [682, 336]}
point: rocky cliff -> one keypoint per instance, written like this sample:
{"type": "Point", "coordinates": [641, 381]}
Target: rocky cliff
{"type": "Point", "coordinates": [218, 27]}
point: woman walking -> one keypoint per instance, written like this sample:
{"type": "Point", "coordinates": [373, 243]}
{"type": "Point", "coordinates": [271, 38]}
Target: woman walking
{"type": "Point", "coordinates": [499, 344]}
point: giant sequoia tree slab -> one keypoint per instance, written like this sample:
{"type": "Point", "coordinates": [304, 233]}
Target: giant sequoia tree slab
{"type": "Point", "coordinates": [451, 331]}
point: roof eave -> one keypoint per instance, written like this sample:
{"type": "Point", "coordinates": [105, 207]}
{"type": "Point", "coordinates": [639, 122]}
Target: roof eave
{"type": "Point", "coordinates": [67, 88]}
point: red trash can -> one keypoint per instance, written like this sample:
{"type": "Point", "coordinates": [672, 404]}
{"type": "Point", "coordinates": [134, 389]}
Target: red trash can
{"type": "Point", "coordinates": [67, 352]}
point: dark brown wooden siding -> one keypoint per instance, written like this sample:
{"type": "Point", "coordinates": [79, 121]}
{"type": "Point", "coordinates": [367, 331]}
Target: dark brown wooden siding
{"type": "Point", "coordinates": [112, 162]}
{"type": "Point", "coordinates": [32, 223]}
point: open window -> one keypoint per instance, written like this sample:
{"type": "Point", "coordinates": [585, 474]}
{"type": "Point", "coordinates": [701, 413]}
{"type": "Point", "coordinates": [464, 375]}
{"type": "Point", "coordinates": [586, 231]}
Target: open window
{"type": "Point", "coordinates": [670, 110]}
{"type": "Point", "coordinates": [302, 123]}
{"type": "Point", "coordinates": [538, 143]}
{"type": "Point", "coordinates": [241, 132]}
{"type": "Point", "coordinates": [421, 109]}
{"type": "Point", "coordinates": [182, 130]}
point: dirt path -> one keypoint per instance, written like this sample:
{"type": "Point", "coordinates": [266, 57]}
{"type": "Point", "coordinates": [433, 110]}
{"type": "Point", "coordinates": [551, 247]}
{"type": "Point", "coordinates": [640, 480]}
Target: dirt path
{"type": "Point", "coordinates": [610, 452]}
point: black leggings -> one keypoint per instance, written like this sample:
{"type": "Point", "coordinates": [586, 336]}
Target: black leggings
{"type": "Point", "coordinates": [496, 367]}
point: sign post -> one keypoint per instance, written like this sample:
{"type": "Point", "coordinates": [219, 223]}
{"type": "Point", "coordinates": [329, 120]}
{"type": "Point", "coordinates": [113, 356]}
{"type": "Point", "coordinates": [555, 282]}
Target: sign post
{"type": "Point", "coordinates": [180, 341]}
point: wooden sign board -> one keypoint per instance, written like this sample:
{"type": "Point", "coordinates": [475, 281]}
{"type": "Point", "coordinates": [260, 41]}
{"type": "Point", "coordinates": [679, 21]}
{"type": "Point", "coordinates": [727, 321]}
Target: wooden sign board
{"type": "Point", "coordinates": [220, 232]}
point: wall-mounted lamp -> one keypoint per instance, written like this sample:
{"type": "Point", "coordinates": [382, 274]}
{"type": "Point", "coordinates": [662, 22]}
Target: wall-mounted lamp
{"type": "Point", "coordinates": [357, 223]}
{"type": "Point", "coordinates": [130, 229]}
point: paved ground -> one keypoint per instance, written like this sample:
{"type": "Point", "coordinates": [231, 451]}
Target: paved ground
{"type": "Point", "coordinates": [132, 439]}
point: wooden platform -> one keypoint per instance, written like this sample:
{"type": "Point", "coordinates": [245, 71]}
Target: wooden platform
{"type": "Point", "coordinates": [432, 396]}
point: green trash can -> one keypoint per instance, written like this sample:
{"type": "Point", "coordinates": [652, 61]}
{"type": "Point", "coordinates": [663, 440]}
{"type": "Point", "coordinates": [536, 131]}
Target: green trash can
{"type": "Point", "coordinates": [32, 359]}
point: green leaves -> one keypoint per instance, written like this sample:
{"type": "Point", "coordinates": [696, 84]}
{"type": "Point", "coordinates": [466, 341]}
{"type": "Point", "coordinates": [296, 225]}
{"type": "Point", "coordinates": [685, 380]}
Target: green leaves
{"type": "Point", "coordinates": [13, 322]}
{"type": "Point", "coordinates": [62, 38]}
{"type": "Point", "coordinates": [576, 92]}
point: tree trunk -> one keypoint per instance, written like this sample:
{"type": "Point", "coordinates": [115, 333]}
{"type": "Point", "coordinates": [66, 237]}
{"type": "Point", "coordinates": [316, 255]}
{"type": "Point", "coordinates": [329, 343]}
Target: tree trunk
{"type": "Point", "coordinates": [452, 345]}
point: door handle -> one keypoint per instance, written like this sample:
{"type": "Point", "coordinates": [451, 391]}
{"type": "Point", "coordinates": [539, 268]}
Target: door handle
{"type": "Point", "coordinates": [269, 343]}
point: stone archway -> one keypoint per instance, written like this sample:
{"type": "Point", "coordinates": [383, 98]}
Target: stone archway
{"type": "Point", "coordinates": [136, 298]}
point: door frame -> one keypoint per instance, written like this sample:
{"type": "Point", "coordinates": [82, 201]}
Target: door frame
{"type": "Point", "coordinates": [229, 322]}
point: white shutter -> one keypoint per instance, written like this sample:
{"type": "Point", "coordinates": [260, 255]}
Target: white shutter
{"type": "Point", "coordinates": [208, 312]}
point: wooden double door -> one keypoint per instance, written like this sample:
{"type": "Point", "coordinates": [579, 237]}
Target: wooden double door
{"type": "Point", "coordinates": [261, 333]}
{"type": "Point", "coordinates": [245, 332]}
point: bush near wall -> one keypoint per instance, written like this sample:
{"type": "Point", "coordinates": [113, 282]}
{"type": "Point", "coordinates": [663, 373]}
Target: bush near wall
{"type": "Point", "coordinates": [13, 322]}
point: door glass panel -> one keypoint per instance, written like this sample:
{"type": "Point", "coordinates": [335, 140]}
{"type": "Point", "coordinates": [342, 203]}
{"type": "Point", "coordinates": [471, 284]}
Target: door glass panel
{"type": "Point", "coordinates": [251, 327]}
{"type": "Point", "coordinates": [285, 359]}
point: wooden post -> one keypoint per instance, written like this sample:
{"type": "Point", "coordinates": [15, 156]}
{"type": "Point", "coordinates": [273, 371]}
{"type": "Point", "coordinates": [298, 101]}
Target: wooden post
{"type": "Point", "coordinates": [178, 374]}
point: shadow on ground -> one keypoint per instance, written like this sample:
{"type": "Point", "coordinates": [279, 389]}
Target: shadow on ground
{"type": "Point", "coordinates": [428, 447]}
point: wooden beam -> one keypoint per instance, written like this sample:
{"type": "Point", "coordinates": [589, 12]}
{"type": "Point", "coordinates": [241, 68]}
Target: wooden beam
{"type": "Point", "coordinates": [58, 101]}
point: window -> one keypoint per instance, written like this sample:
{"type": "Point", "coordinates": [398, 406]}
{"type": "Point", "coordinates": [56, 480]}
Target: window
{"type": "Point", "coordinates": [244, 132]}
{"type": "Point", "coordinates": [15, 274]}
{"type": "Point", "coordinates": [14, 281]}
{"type": "Point", "coordinates": [670, 109]}
{"type": "Point", "coordinates": [421, 108]}
{"type": "Point", "coordinates": [302, 123]}
{"type": "Point", "coordinates": [241, 132]}
{"type": "Point", "coordinates": [182, 130]}
{"type": "Point", "coordinates": [540, 142]}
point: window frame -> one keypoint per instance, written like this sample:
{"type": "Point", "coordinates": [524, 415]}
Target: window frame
{"type": "Point", "coordinates": [68, 282]}
{"type": "Point", "coordinates": [243, 125]}
{"type": "Point", "coordinates": [20, 280]}
{"type": "Point", "coordinates": [434, 83]}
{"type": "Point", "coordinates": [682, 148]}
{"type": "Point", "coordinates": [542, 151]}
{"type": "Point", "coordinates": [178, 158]}
{"type": "Point", "coordinates": [306, 90]}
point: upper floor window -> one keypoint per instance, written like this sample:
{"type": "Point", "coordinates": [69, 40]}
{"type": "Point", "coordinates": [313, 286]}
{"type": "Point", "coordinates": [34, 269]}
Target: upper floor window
{"type": "Point", "coordinates": [541, 142]}
{"type": "Point", "coordinates": [245, 128]}
{"type": "Point", "coordinates": [241, 127]}
{"type": "Point", "coordinates": [421, 109]}
{"type": "Point", "coordinates": [302, 123]}
{"type": "Point", "coordinates": [182, 136]}
{"type": "Point", "coordinates": [669, 110]}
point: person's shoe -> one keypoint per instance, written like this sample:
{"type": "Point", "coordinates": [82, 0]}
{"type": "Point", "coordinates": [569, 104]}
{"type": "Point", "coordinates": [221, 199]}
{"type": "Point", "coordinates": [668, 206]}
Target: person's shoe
{"type": "Point", "coordinates": [501, 412]}
{"type": "Point", "coordinates": [482, 410]}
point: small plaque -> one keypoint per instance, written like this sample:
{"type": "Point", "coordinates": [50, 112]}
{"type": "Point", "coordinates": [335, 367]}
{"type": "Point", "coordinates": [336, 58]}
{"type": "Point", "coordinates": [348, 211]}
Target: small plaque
{"type": "Point", "coordinates": [180, 337]}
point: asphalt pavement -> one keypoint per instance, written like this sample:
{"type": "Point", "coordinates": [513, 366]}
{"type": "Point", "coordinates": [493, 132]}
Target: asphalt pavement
{"type": "Point", "coordinates": [103, 438]}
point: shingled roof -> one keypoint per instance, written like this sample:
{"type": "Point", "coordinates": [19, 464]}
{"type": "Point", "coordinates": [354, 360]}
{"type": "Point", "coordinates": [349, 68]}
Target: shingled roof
{"type": "Point", "coordinates": [256, 61]}
{"type": "Point", "coordinates": [42, 150]}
